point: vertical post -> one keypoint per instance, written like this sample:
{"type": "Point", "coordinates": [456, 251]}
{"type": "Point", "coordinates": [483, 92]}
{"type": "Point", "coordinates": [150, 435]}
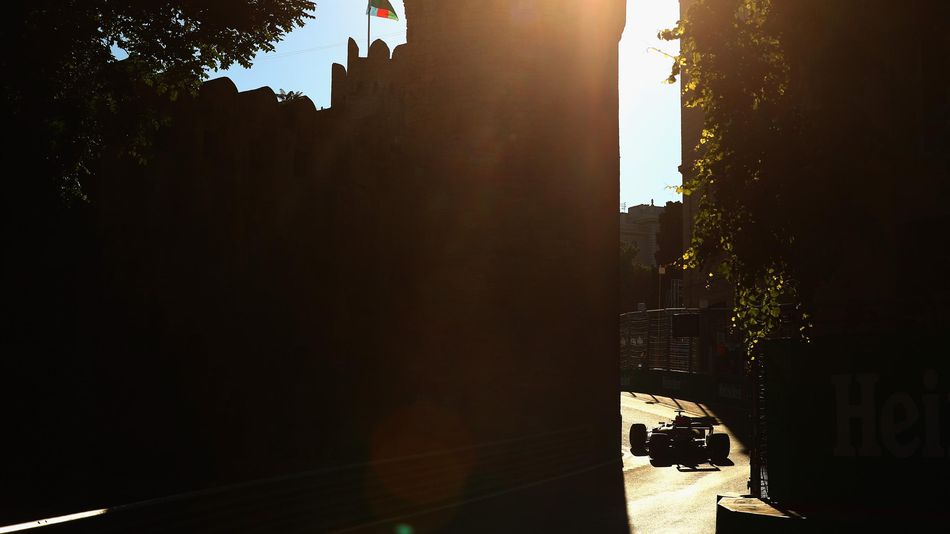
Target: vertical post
{"type": "Point", "coordinates": [646, 314]}
{"type": "Point", "coordinates": [755, 464]}
{"type": "Point", "coordinates": [689, 360]}
{"type": "Point", "coordinates": [368, 18]}
{"type": "Point", "coordinates": [669, 337]}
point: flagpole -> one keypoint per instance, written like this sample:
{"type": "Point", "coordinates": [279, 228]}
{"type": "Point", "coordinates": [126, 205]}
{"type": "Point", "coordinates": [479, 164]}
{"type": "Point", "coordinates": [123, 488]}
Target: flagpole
{"type": "Point", "coordinates": [367, 31]}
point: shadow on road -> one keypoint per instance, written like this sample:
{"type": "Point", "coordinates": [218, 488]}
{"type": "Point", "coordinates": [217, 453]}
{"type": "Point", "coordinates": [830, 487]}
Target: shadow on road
{"type": "Point", "coordinates": [696, 468]}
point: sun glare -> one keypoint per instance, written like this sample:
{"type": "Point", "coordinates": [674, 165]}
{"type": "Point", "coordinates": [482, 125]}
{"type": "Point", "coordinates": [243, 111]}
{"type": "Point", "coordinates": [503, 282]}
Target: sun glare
{"type": "Point", "coordinates": [51, 521]}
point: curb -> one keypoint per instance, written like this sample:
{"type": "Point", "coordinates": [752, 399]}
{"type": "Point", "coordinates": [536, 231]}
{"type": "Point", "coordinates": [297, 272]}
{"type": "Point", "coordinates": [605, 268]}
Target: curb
{"type": "Point", "coordinates": [751, 515]}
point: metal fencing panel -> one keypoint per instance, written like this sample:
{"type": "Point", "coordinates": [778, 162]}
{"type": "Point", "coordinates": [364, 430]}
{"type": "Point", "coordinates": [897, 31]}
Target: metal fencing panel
{"type": "Point", "coordinates": [647, 342]}
{"type": "Point", "coordinates": [634, 336]}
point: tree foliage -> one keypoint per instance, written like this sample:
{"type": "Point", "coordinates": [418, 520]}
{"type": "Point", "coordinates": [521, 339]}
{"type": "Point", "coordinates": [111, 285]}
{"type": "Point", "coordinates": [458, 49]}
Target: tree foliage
{"type": "Point", "coordinates": [734, 70]}
{"type": "Point", "coordinates": [286, 96]}
{"type": "Point", "coordinates": [64, 92]}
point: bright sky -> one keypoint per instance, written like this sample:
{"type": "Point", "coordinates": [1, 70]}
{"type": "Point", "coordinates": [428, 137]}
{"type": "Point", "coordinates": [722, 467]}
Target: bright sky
{"type": "Point", "coordinates": [649, 109]}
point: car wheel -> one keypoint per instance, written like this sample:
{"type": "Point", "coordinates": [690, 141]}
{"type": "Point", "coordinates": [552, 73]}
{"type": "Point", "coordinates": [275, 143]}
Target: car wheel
{"type": "Point", "coordinates": [638, 437]}
{"type": "Point", "coordinates": [717, 445]}
{"type": "Point", "coordinates": [659, 447]}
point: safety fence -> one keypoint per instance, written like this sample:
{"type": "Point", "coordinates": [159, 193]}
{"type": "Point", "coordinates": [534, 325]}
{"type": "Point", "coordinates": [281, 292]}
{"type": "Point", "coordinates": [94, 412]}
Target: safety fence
{"type": "Point", "coordinates": [679, 339]}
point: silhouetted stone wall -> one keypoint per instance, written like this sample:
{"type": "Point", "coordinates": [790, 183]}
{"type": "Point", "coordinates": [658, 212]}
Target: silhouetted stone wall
{"type": "Point", "coordinates": [880, 212]}
{"type": "Point", "coordinates": [427, 265]}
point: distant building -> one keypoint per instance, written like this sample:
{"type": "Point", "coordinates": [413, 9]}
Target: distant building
{"type": "Point", "coordinates": [639, 226]}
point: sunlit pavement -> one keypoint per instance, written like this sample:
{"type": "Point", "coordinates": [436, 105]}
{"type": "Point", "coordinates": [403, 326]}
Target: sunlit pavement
{"type": "Point", "coordinates": [679, 500]}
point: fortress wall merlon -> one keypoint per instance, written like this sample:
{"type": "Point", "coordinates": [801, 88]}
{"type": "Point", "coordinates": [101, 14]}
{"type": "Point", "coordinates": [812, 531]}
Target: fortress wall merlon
{"type": "Point", "coordinates": [298, 115]}
{"type": "Point", "coordinates": [302, 106]}
{"type": "Point", "coordinates": [258, 105]}
{"type": "Point", "coordinates": [352, 52]}
{"type": "Point", "coordinates": [378, 51]}
{"type": "Point", "coordinates": [337, 84]}
{"type": "Point", "coordinates": [398, 52]}
{"type": "Point", "coordinates": [219, 92]}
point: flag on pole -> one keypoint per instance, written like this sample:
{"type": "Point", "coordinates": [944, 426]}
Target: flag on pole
{"type": "Point", "coordinates": [382, 9]}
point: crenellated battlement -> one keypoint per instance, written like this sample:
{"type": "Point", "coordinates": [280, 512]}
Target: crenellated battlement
{"type": "Point", "coordinates": [369, 80]}
{"type": "Point", "coordinates": [219, 100]}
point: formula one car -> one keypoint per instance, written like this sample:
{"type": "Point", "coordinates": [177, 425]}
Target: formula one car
{"type": "Point", "coordinates": [685, 441]}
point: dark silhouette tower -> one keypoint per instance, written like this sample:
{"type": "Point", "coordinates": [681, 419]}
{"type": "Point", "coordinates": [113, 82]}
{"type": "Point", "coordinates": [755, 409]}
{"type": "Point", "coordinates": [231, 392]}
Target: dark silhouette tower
{"type": "Point", "coordinates": [512, 112]}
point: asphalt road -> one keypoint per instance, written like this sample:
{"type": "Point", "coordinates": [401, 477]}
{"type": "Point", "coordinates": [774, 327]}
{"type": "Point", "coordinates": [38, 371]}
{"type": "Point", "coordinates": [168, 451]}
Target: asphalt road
{"type": "Point", "coordinates": [658, 499]}
{"type": "Point", "coordinates": [673, 499]}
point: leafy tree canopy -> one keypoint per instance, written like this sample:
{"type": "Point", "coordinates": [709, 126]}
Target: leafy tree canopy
{"type": "Point", "coordinates": [285, 96]}
{"type": "Point", "coordinates": [63, 91]}
{"type": "Point", "coordinates": [735, 70]}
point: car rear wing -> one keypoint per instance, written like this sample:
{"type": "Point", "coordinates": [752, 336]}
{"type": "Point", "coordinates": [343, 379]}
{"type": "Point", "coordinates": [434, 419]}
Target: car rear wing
{"type": "Point", "coordinates": [703, 421]}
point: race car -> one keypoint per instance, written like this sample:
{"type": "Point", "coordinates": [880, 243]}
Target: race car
{"type": "Point", "coordinates": [685, 441]}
